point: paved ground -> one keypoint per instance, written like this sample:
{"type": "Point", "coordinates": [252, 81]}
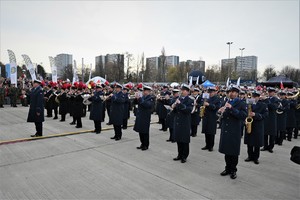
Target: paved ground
{"type": "Point", "coordinates": [90, 166]}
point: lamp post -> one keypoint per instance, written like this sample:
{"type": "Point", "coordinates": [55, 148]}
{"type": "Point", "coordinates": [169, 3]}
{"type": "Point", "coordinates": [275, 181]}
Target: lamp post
{"type": "Point", "coordinates": [229, 43]}
{"type": "Point", "coordinates": [242, 49]}
{"type": "Point", "coordinates": [228, 64]}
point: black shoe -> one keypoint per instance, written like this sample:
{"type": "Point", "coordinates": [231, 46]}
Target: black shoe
{"type": "Point", "coordinates": [270, 150]}
{"type": "Point", "coordinates": [36, 135]}
{"type": "Point", "coordinates": [98, 132]}
{"type": "Point", "coordinates": [173, 141]}
{"type": "Point", "coordinates": [168, 140]}
{"type": "Point", "coordinates": [62, 120]}
{"type": "Point", "coordinates": [113, 138]}
{"type": "Point", "coordinates": [177, 158]}
{"type": "Point", "coordinates": [210, 149]}
{"type": "Point", "coordinates": [118, 139]}
{"type": "Point", "coordinates": [108, 124]}
{"type": "Point", "coordinates": [164, 130]}
{"type": "Point", "coordinates": [289, 139]}
{"type": "Point", "coordinates": [140, 147]}
{"type": "Point", "coordinates": [233, 175]}
{"type": "Point", "coordinates": [72, 123]}
{"type": "Point", "coordinates": [55, 118]}
{"type": "Point", "coordinates": [124, 128]}
{"type": "Point", "coordinates": [193, 135]}
{"type": "Point", "coordinates": [160, 129]}
{"type": "Point", "coordinates": [256, 162]}
{"type": "Point", "coordinates": [144, 148]}
{"type": "Point", "coordinates": [204, 148]}
{"type": "Point", "coordinates": [78, 126]}
{"type": "Point", "coordinates": [224, 173]}
{"type": "Point", "coordinates": [248, 159]}
{"type": "Point", "coordinates": [49, 116]}
{"type": "Point", "coordinates": [279, 143]}
{"type": "Point", "coordinates": [295, 137]}
{"type": "Point", "coordinates": [264, 149]}
{"type": "Point", "coordinates": [183, 160]}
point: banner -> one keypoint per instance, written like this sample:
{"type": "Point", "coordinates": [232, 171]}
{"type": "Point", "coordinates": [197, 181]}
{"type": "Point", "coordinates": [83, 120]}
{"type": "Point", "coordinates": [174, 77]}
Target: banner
{"type": "Point", "coordinates": [7, 70]}
{"type": "Point", "coordinates": [30, 66]}
{"type": "Point", "coordinates": [13, 73]}
{"type": "Point", "coordinates": [53, 69]}
{"type": "Point", "coordinates": [13, 67]}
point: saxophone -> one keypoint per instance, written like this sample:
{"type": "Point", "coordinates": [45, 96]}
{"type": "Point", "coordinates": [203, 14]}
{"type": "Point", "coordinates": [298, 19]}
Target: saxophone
{"type": "Point", "coordinates": [249, 119]}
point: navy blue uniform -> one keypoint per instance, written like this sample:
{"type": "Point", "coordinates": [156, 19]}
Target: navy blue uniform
{"type": "Point", "coordinates": [143, 118]}
{"type": "Point", "coordinates": [36, 109]}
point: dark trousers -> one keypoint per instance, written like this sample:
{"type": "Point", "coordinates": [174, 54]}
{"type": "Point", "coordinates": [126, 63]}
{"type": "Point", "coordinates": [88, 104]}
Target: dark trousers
{"type": "Point", "coordinates": [74, 120]}
{"type": "Point", "coordinates": [144, 138]}
{"type": "Point", "coordinates": [163, 124]}
{"type": "Point", "coordinates": [296, 131]}
{"type": "Point", "coordinates": [49, 112]}
{"type": "Point", "coordinates": [231, 163]}
{"type": "Point", "coordinates": [78, 121]}
{"type": "Point", "coordinates": [289, 131]}
{"type": "Point", "coordinates": [118, 131]}
{"type": "Point", "coordinates": [97, 124]}
{"type": "Point", "coordinates": [39, 128]}
{"type": "Point", "coordinates": [84, 110]}
{"type": "Point", "coordinates": [171, 134]}
{"type": "Point", "coordinates": [269, 141]}
{"type": "Point", "coordinates": [194, 130]}
{"type": "Point", "coordinates": [280, 136]}
{"type": "Point", "coordinates": [103, 113]}
{"type": "Point", "coordinates": [125, 122]}
{"type": "Point", "coordinates": [253, 152]}
{"type": "Point", "coordinates": [55, 112]}
{"type": "Point", "coordinates": [210, 140]}
{"type": "Point", "coordinates": [183, 150]}
{"type": "Point", "coordinates": [63, 117]}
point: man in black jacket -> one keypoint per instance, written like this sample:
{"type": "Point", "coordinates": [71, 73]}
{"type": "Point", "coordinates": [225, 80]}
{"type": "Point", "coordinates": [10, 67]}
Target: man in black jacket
{"type": "Point", "coordinates": [96, 108]}
{"type": "Point", "coordinates": [143, 116]}
{"type": "Point", "coordinates": [36, 109]}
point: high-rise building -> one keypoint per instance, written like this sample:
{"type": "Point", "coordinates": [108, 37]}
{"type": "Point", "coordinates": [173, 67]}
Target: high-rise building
{"type": "Point", "coordinates": [244, 67]}
{"type": "Point", "coordinates": [62, 61]}
{"type": "Point", "coordinates": [111, 66]}
{"type": "Point", "coordinates": [172, 61]}
{"type": "Point", "coordinates": [196, 65]}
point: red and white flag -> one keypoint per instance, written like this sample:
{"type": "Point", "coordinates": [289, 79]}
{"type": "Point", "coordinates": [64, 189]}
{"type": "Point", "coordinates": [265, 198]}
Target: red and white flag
{"type": "Point", "coordinates": [281, 85]}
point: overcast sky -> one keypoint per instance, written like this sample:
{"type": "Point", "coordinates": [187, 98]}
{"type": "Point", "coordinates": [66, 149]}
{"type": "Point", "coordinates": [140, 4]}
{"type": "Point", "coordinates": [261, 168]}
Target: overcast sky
{"type": "Point", "coordinates": [190, 29]}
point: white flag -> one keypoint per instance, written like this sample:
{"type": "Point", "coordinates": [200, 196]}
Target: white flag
{"type": "Point", "coordinates": [238, 82]}
{"type": "Point", "coordinates": [30, 66]}
{"type": "Point", "coordinates": [191, 81]}
{"type": "Point", "coordinates": [197, 82]}
{"type": "Point", "coordinates": [53, 69]}
{"type": "Point", "coordinates": [13, 67]}
{"type": "Point", "coordinates": [227, 83]}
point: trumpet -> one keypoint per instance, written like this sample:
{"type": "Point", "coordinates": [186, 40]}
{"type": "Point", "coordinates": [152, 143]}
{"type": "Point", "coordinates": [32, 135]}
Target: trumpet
{"type": "Point", "coordinates": [249, 119]}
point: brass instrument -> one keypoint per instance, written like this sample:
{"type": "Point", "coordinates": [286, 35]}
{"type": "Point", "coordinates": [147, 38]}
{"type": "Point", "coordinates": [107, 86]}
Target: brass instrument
{"type": "Point", "coordinates": [202, 108]}
{"type": "Point", "coordinates": [86, 100]}
{"type": "Point", "coordinates": [279, 110]}
{"type": "Point", "coordinates": [249, 119]}
{"type": "Point", "coordinates": [294, 96]}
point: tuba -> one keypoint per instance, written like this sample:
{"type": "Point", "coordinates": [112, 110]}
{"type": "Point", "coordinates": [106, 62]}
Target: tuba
{"type": "Point", "coordinates": [279, 110]}
{"type": "Point", "coordinates": [249, 119]}
{"type": "Point", "coordinates": [86, 100]}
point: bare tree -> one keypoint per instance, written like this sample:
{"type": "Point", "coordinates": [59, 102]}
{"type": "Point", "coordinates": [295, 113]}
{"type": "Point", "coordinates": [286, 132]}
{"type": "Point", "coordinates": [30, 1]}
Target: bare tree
{"type": "Point", "coordinates": [291, 72]}
{"type": "Point", "coordinates": [163, 65]}
{"type": "Point", "coordinates": [269, 72]}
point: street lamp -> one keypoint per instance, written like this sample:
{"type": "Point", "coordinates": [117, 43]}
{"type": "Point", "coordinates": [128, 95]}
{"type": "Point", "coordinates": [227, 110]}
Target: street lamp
{"type": "Point", "coordinates": [242, 49]}
{"type": "Point", "coordinates": [229, 43]}
{"type": "Point", "coordinates": [229, 67]}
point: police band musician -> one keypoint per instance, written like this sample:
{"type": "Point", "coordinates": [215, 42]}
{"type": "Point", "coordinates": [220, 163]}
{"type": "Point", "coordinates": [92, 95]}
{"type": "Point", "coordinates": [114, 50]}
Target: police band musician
{"type": "Point", "coordinates": [233, 114]}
